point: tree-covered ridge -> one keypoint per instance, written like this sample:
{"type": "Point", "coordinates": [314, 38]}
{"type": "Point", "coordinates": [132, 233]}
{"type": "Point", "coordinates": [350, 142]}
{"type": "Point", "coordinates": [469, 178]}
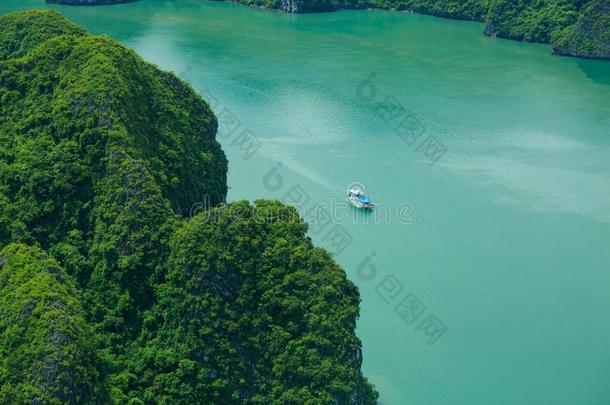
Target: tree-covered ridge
{"type": "Point", "coordinates": [21, 33]}
{"type": "Point", "coordinates": [251, 313]}
{"type": "Point", "coordinates": [47, 352]}
{"type": "Point", "coordinates": [98, 151]}
{"type": "Point", "coordinates": [533, 21]}
{"type": "Point", "coordinates": [590, 37]}
{"type": "Point", "coordinates": [101, 155]}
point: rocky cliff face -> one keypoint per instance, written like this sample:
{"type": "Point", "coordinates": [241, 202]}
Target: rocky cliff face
{"type": "Point", "coordinates": [454, 9]}
{"type": "Point", "coordinates": [530, 21]}
{"type": "Point", "coordinates": [290, 6]}
{"type": "Point", "coordinates": [301, 6]}
{"type": "Point", "coordinates": [590, 37]}
{"type": "Point", "coordinates": [47, 354]}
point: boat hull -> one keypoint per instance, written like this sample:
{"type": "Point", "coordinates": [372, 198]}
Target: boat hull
{"type": "Point", "coordinates": [358, 204]}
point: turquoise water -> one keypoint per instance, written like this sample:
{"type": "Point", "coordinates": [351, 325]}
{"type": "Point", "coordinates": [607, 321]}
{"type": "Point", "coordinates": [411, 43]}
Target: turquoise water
{"type": "Point", "coordinates": [504, 240]}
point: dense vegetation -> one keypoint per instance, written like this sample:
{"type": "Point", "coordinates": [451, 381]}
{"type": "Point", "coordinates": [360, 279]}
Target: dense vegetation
{"type": "Point", "coordinates": [47, 354]}
{"type": "Point", "coordinates": [590, 37]}
{"type": "Point", "coordinates": [251, 312]}
{"type": "Point", "coordinates": [108, 294]}
{"type": "Point", "coordinates": [534, 21]}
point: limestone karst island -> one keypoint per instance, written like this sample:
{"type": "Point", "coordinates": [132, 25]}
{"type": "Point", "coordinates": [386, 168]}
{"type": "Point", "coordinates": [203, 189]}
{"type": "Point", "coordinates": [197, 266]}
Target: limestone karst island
{"type": "Point", "coordinates": [317, 202]}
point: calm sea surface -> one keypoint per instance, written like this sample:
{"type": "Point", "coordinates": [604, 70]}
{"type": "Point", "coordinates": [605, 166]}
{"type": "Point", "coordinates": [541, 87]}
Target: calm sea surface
{"type": "Point", "coordinates": [485, 277]}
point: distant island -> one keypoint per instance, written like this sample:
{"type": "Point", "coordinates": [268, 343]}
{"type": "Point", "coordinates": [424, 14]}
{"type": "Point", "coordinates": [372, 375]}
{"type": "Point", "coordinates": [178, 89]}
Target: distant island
{"type": "Point", "coordinates": [88, 2]}
{"type": "Point", "coordinates": [109, 291]}
{"type": "Point", "coordinates": [573, 28]}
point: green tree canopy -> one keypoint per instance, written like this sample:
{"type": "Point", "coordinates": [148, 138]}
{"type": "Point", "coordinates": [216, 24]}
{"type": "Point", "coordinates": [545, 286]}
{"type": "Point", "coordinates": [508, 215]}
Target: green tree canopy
{"type": "Point", "coordinates": [47, 353]}
{"type": "Point", "coordinates": [101, 157]}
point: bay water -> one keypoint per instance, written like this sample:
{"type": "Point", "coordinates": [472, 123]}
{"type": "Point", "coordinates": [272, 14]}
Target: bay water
{"type": "Point", "coordinates": [484, 271]}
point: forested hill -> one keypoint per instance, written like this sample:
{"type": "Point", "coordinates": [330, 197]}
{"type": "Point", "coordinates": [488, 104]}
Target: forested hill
{"type": "Point", "coordinates": [108, 293]}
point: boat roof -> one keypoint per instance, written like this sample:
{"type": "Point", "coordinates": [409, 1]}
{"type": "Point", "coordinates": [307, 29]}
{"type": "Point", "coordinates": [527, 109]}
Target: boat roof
{"type": "Point", "coordinates": [364, 199]}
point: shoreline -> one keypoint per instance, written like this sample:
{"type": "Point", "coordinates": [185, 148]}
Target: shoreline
{"type": "Point", "coordinates": [586, 37]}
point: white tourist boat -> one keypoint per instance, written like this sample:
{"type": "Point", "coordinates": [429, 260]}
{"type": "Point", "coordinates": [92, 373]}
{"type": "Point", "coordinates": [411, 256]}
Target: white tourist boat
{"type": "Point", "coordinates": [358, 199]}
